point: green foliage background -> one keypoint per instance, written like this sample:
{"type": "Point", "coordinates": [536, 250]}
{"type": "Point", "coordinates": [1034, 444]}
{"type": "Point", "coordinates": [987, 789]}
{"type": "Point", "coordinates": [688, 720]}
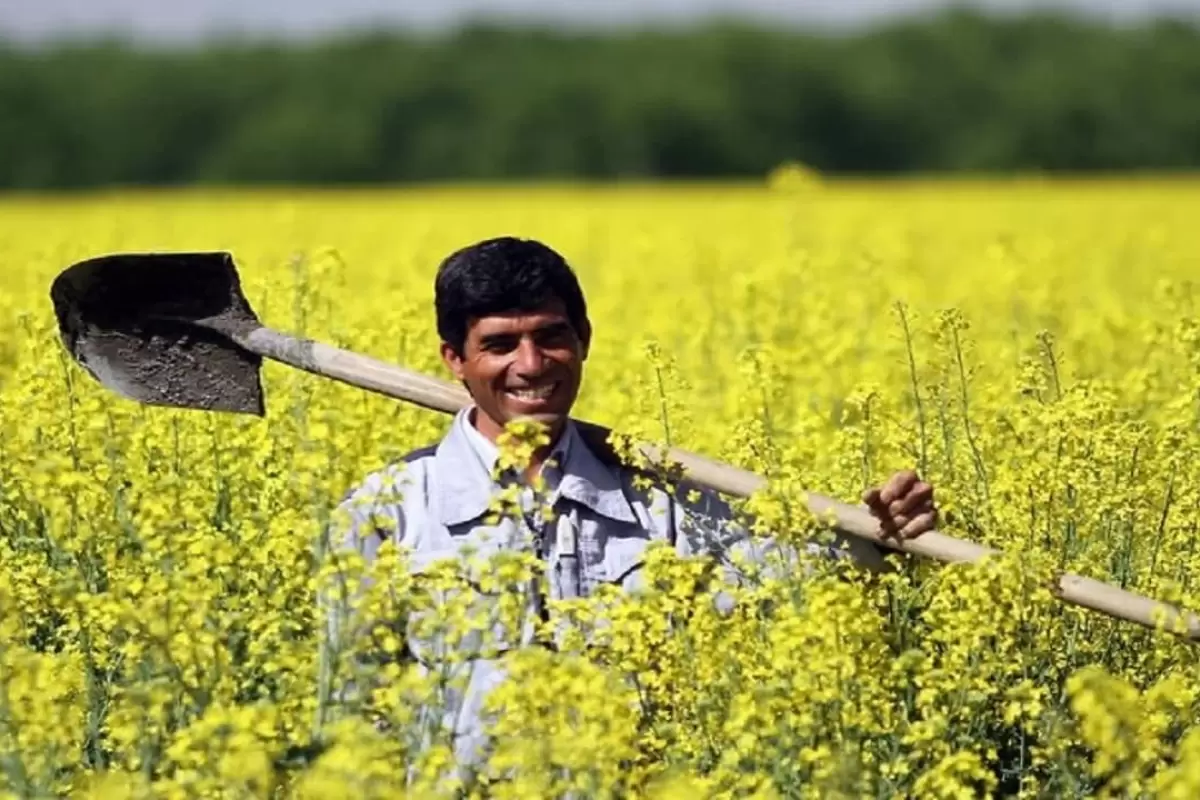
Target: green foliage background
{"type": "Point", "coordinates": [959, 91]}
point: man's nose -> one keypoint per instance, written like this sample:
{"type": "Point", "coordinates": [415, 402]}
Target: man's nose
{"type": "Point", "coordinates": [530, 359]}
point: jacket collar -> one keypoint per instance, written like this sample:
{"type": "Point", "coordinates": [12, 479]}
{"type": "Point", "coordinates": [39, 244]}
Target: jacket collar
{"type": "Point", "coordinates": [464, 460]}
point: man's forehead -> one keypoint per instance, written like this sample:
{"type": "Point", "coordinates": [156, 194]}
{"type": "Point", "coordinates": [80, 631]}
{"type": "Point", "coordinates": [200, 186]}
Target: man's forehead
{"type": "Point", "coordinates": [519, 319]}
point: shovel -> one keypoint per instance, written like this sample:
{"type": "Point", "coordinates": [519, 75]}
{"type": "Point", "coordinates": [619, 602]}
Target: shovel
{"type": "Point", "coordinates": [175, 329]}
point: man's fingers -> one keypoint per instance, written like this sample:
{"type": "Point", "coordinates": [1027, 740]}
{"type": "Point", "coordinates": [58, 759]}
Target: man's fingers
{"type": "Point", "coordinates": [922, 523]}
{"type": "Point", "coordinates": [920, 495]}
{"type": "Point", "coordinates": [873, 498]}
{"type": "Point", "coordinates": [874, 501]}
{"type": "Point", "coordinates": [898, 486]}
{"type": "Point", "coordinates": [904, 506]}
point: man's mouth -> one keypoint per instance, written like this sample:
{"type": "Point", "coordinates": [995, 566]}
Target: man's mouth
{"type": "Point", "coordinates": [532, 394]}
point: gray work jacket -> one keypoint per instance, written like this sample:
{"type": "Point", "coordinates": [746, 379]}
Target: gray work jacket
{"type": "Point", "coordinates": [598, 534]}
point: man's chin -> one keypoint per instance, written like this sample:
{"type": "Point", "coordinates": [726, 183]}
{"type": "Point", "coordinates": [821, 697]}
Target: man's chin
{"type": "Point", "coordinates": [551, 420]}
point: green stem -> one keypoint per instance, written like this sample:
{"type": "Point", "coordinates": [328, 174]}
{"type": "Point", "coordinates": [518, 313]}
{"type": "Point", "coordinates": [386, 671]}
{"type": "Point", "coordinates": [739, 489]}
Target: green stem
{"type": "Point", "coordinates": [976, 456]}
{"type": "Point", "coordinates": [916, 388]}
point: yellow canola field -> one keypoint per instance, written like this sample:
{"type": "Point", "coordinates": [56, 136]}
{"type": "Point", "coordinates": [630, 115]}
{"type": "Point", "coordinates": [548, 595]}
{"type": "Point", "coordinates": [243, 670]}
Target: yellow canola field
{"type": "Point", "coordinates": [1032, 348]}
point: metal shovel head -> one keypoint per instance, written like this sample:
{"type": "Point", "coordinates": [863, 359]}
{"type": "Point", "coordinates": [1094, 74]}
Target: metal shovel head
{"type": "Point", "coordinates": [154, 327]}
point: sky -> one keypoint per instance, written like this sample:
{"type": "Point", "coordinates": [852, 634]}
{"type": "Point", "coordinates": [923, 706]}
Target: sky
{"type": "Point", "coordinates": [34, 20]}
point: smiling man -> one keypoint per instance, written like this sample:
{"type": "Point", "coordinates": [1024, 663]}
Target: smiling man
{"type": "Point", "coordinates": [514, 330]}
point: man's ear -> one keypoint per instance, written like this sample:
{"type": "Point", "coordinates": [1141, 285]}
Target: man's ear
{"type": "Point", "coordinates": [453, 360]}
{"type": "Point", "coordinates": [585, 339]}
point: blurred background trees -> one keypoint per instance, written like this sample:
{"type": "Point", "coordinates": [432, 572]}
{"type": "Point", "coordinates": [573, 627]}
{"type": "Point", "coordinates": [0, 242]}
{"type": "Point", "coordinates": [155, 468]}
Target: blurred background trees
{"type": "Point", "coordinates": [959, 91]}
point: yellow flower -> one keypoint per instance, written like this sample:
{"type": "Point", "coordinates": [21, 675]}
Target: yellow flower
{"type": "Point", "coordinates": [1031, 349]}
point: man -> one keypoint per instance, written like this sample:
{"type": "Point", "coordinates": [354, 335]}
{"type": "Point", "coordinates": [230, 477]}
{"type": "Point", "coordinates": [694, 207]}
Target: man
{"type": "Point", "coordinates": [515, 331]}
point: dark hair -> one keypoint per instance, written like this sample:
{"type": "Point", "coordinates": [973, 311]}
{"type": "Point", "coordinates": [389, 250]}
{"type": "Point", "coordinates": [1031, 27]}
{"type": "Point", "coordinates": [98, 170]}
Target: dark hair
{"type": "Point", "coordinates": [504, 274]}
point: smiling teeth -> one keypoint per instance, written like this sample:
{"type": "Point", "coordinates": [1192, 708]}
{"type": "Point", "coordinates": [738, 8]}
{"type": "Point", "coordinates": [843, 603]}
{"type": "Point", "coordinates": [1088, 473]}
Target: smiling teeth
{"type": "Point", "coordinates": [540, 393]}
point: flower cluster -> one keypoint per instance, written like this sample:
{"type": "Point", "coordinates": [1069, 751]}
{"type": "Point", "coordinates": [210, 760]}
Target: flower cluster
{"type": "Point", "coordinates": [167, 576]}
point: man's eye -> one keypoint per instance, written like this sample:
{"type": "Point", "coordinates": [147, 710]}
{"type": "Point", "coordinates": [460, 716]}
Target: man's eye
{"type": "Point", "coordinates": [498, 345]}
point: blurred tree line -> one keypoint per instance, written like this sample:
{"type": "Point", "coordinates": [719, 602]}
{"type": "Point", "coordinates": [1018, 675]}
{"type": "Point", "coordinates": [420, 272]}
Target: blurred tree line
{"type": "Point", "coordinates": [958, 91]}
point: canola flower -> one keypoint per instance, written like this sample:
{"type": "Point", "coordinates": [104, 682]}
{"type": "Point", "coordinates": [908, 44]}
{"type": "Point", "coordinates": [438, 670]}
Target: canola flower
{"type": "Point", "coordinates": [1031, 347]}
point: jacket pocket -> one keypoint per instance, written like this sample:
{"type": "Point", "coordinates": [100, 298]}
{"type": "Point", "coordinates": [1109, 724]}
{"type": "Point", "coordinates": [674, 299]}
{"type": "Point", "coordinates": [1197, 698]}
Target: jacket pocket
{"type": "Point", "coordinates": [466, 622]}
{"type": "Point", "coordinates": [625, 559]}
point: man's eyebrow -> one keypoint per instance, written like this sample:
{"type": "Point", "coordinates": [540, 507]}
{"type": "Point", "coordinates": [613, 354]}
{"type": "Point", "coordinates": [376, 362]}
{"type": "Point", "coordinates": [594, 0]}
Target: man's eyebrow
{"type": "Point", "coordinates": [551, 328]}
{"type": "Point", "coordinates": [554, 327]}
{"type": "Point", "coordinates": [494, 338]}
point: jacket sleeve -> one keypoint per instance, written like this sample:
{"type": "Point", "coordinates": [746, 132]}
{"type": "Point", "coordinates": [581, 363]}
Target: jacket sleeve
{"type": "Point", "coordinates": [362, 522]}
{"type": "Point", "coordinates": [705, 524]}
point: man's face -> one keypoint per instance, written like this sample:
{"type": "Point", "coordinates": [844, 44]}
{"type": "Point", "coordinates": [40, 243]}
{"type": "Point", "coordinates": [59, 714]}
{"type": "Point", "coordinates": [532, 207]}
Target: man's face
{"type": "Point", "coordinates": [520, 364]}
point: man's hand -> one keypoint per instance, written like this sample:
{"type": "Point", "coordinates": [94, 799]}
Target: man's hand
{"type": "Point", "coordinates": [904, 506]}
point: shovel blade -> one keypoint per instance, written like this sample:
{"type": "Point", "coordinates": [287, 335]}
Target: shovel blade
{"type": "Point", "coordinates": [153, 327]}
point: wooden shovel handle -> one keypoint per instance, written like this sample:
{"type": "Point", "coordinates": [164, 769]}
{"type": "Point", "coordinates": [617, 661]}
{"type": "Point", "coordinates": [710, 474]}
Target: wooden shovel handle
{"type": "Point", "coordinates": [440, 395]}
